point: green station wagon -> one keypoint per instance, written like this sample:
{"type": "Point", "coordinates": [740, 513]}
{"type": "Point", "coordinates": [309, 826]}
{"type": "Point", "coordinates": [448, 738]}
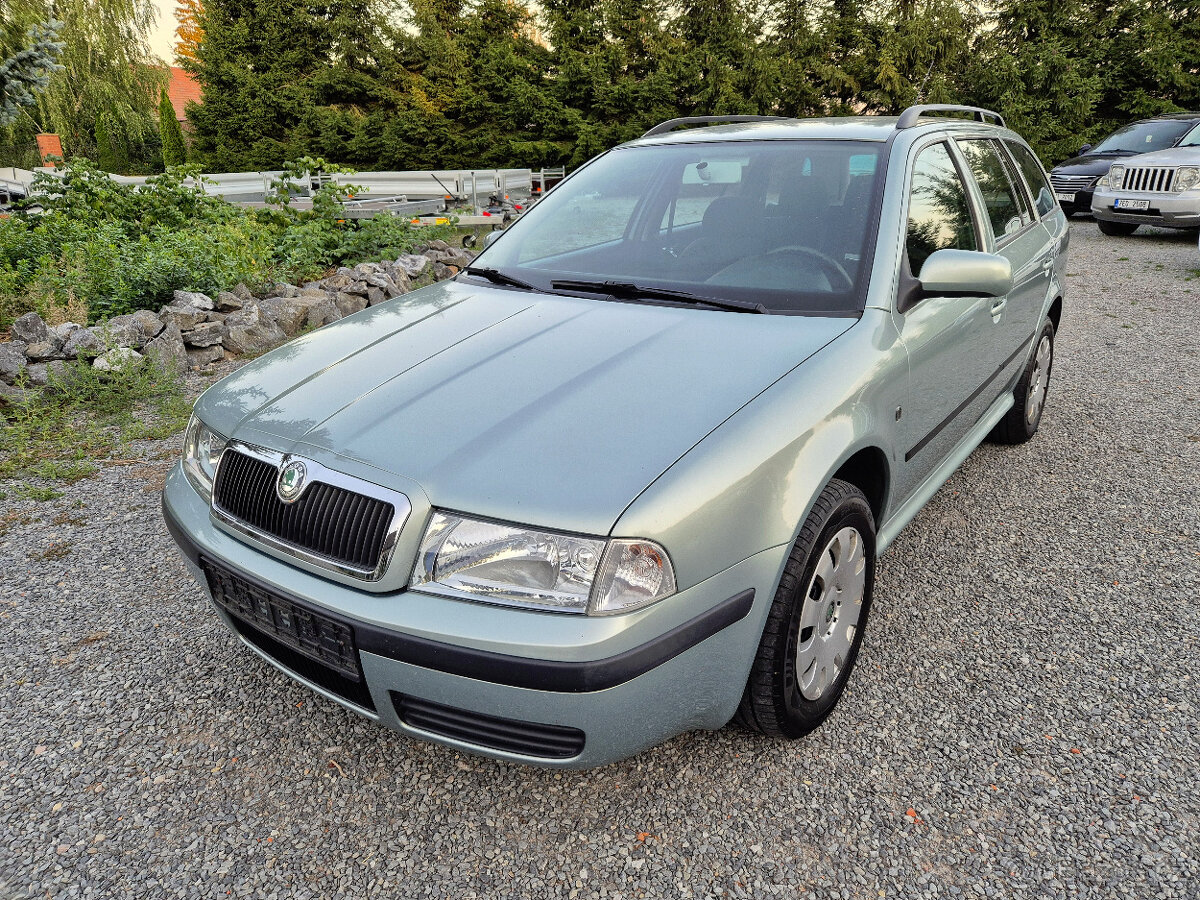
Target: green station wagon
{"type": "Point", "coordinates": [628, 474]}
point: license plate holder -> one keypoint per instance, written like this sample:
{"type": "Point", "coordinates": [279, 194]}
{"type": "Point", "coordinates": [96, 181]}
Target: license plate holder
{"type": "Point", "coordinates": [320, 638]}
{"type": "Point", "coordinates": [1065, 197]}
{"type": "Point", "coordinates": [1130, 204]}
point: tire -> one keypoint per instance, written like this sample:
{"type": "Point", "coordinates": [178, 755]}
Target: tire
{"type": "Point", "coordinates": [1021, 422]}
{"type": "Point", "coordinates": [784, 697]}
{"type": "Point", "coordinates": [1117, 229]}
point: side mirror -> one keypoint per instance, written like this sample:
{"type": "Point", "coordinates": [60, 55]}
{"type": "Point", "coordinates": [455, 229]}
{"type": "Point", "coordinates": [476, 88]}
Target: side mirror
{"type": "Point", "coordinates": [490, 237]}
{"type": "Point", "coordinates": [1084, 149]}
{"type": "Point", "coordinates": [965, 273]}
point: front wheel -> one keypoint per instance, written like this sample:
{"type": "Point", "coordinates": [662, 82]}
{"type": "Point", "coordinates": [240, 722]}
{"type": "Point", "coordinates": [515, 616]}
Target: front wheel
{"type": "Point", "coordinates": [816, 622]}
{"type": "Point", "coordinates": [1117, 229]}
{"type": "Point", "coordinates": [1021, 422]}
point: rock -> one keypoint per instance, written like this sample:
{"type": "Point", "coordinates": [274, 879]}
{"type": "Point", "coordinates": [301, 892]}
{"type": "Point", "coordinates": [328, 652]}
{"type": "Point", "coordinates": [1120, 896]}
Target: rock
{"type": "Point", "coordinates": [82, 342]}
{"type": "Point", "coordinates": [227, 301]}
{"type": "Point", "coordinates": [207, 334]}
{"type": "Point", "coordinates": [150, 324]}
{"type": "Point", "coordinates": [63, 331]}
{"type": "Point", "coordinates": [289, 314]}
{"type": "Point", "coordinates": [323, 313]}
{"type": "Point", "coordinates": [375, 296]}
{"type": "Point", "coordinates": [460, 258]}
{"type": "Point", "coordinates": [401, 283]}
{"type": "Point", "coordinates": [366, 268]}
{"type": "Point", "coordinates": [13, 396]}
{"type": "Point", "coordinates": [357, 287]}
{"type": "Point", "coordinates": [441, 271]}
{"type": "Point", "coordinates": [38, 374]}
{"type": "Point", "coordinates": [348, 304]}
{"type": "Point", "coordinates": [193, 299]}
{"type": "Point", "coordinates": [438, 245]}
{"type": "Point", "coordinates": [185, 318]}
{"type": "Point", "coordinates": [242, 292]}
{"type": "Point", "coordinates": [44, 350]}
{"type": "Point", "coordinates": [120, 331]}
{"type": "Point", "coordinates": [12, 360]}
{"type": "Point", "coordinates": [412, 264]}
{"type": "Point", "coordinates": [252, 332]}
{"type": "Point", "coordinates": [284, 290]}
{"type": "Point", "coordinates": [117, 359]}
{"type": "Point", "coordinates": [318, 292]}
{"type": "Point", "coordinates": [30, 328]}
{"type": "Point", "coordinates": [168, 350]}
{"type": "Point", "coordinates": [337, 282]}
{"type": "Point", "coordinates": [204, 356]}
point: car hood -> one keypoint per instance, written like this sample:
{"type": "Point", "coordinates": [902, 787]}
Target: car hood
{"type": "Point", "coordinates": [1172, 156]}
{"type": "Point", "coordinates": [510, 404]}
{"type": "Point", "coordinates": [1089, 164]}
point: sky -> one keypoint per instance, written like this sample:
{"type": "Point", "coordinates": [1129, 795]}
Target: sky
{"type": "Point", "coordinates": [162, 39]}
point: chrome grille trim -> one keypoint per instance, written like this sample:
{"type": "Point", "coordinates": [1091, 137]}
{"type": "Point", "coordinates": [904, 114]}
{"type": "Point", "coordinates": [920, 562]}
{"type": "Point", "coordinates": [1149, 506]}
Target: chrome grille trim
{"type": "Point", "coordinates": [1071, 182]}
{"type": "Point", "coordinates": [401, 507]}
{"type": "Point", "coordinates": [1148, 179]}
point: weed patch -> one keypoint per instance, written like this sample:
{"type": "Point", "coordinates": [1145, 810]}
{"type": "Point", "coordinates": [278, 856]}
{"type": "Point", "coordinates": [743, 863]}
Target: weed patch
{"type": "Point", "coordinates": [82, 419]}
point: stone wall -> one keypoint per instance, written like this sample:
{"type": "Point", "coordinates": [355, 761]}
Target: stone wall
{"type": "Point", "coordinates": [195, 330]}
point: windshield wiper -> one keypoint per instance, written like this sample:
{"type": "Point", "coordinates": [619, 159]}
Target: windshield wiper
{"type": "Point", "coordinates": [627, 290]}
{"type": "Point", "coordinates": [495, 276]}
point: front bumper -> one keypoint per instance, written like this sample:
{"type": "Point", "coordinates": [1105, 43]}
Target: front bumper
{"type": "Point", "coordinates": [461, 673]}
{"type": "Point", "coordinates": [1180, 210]}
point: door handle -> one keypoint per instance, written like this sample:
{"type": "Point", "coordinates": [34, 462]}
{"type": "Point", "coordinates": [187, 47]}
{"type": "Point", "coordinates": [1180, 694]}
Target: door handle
{"type": "Point", "coordinates": [998, 306]}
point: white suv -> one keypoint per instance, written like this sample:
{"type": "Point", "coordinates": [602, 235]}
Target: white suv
{"type": "Point", "coordinates": [1161, 188]}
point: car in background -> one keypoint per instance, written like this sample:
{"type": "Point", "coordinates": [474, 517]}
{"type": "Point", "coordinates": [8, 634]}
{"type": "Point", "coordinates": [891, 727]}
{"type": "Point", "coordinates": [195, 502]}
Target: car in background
{"type": "Point", "coordinates": [1160, 189]}
{"type": "Point", "coordinates": [1074, 180]}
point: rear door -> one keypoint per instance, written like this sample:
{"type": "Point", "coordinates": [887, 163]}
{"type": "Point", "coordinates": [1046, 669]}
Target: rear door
{"type": "Point", "coordinates": [1016, 234]}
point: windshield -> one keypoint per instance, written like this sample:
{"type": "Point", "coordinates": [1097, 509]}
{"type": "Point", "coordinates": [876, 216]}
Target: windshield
{"type": "Point", "coordinates": [781, 223]}
{"type": "Point", "coordinates": [1142, 137]}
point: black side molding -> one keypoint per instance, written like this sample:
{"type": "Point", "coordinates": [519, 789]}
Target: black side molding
{"type": "Point", "coordinates": [556, 675]}
{"type": "Point", "coordinates": [186, 545]}
{"type": "Point", "coordinates": [921, 444]}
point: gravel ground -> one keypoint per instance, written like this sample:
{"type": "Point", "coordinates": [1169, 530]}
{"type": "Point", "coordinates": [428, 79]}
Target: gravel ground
{"type": "Point", "coordinates": [1023, 722]}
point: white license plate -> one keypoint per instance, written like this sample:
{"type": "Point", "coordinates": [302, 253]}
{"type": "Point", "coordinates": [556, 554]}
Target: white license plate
{"type": "Point", "coordinates": [1122, 203]}
{"type": "Point", "coordinates": [1068, 198]}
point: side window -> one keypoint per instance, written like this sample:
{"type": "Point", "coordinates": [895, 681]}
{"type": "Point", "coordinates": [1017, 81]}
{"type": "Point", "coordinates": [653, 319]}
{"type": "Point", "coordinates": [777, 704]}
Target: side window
{"type": "Point", "coordinates": [939, 214]}
{"type": "Point", "coordinates": [1004, 210]}
{"type": "Point", "coordinates": [1192, 138]}
{"type": "Point", "coordinates": [1035, 176]}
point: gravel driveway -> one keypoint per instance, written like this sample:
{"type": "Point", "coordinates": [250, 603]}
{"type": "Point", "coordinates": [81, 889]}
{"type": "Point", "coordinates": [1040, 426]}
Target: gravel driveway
{"type": "Point", "coordinates": [1023, 721]}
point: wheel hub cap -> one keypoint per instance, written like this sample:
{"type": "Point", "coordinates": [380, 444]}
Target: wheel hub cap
{"type": "Point", "coordinates": [1038, 380]}
{"type": "Point", "coordinates": [829, 618]}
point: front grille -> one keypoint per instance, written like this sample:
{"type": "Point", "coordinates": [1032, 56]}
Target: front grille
{"type": "Point", "coordinates": [493, 732]}
{"type": "Point", "coordinates": [1156, 179]}
{"type": "Point", "coordinates": [1067, 183]}
{"type": "Point", "coordinates": [315, 647]}
{"type": "Point", "coordinates": [331, 522]}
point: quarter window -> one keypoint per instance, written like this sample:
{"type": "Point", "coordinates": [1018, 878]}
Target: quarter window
{"type": "Point", "coordinates": [1003, 207]}
{"type": "Point", "coordinates": [1035, 177]}
{"type": "Point", "coordinates": [939, 214]}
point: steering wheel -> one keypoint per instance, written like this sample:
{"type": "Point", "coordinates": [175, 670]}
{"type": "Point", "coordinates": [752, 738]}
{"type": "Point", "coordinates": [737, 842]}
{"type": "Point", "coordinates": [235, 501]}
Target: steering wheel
{"type": "Point", "coordinates": [828, 263]}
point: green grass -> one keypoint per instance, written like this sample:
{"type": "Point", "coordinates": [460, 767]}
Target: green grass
{"type": "Point", "coordinates": [83, 418]}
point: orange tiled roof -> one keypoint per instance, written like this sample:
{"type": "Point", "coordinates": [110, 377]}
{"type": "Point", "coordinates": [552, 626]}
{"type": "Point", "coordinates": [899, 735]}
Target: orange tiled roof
{"type": "Point", "coordinates": [182, 90]}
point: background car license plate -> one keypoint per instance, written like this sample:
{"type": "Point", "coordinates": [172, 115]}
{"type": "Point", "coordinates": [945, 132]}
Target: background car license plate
{"type": "Point", "coordinates": [1069, 198]}
{"type": "Point", "coordinates": [1121, 203]}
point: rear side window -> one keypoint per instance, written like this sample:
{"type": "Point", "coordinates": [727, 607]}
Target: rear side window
{"type": "Point", "coordinates": [999, 196]}
{"type": "Point", "coordinates": [1035, 177]}
{"type": "Point", "coordinates": [939, 214]}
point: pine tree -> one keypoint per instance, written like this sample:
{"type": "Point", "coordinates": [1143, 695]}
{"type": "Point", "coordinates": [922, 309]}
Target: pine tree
{"type": "Point", "coordinates": [26, 63]}
{"type": "Point", "coordinates": [174, 149]}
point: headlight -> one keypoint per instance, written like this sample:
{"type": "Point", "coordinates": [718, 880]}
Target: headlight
{"type": "Point", "coordinates": [1101, 182]}
{"type": "Point", "coordinates": [201, 452]}
{"type": "Point", "coordinates": [1186, 178]}
{"type": "Point", "coordinates": [1116, 175]}
{"type": "Point", "coordinates": [511, 564]}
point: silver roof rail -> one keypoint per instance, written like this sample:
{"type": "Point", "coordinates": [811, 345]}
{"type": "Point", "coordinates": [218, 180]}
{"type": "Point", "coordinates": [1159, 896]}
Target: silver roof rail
{"type": "Point", "coordinates": [909, 117]}
{"type": "Point", "coordinates": [671, 124]}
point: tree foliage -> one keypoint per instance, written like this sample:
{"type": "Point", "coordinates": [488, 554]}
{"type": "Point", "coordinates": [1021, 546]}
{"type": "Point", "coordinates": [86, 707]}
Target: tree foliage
{"type": "Point", "coordinates": [174, 150]}
{"type": "Point", "coordinates": [474, 83]}
{"type": "Point", "coordinates": [189, 32]}
{"type": "Point", "coordinates": [28, 56]}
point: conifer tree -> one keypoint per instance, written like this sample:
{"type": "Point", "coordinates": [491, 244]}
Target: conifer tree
{"type": "Point", "coordinates": [174, 149]}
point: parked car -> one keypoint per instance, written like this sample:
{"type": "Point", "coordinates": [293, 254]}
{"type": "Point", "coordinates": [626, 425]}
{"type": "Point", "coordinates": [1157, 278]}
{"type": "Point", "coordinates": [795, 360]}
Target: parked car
{"type": "Point", "coordinates": [629, 473]}
{"type": "Point", "coordinates": [1075, 179]}
{"type": "Point", "coordinates": [1153, 189]}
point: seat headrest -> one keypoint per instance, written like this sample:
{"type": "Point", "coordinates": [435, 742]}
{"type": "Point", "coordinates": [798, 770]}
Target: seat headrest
{"type": "Point", "coordinates": [731, 213]}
